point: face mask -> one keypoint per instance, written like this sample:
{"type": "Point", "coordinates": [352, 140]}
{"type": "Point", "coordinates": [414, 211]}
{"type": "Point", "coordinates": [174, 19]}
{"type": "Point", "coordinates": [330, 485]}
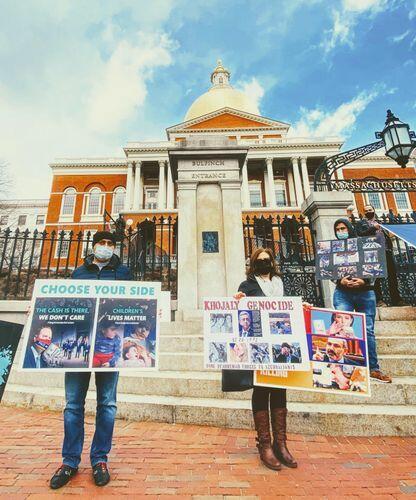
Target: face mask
{"type": "Point", "coordinates": [262, 266]}
{"type": "Point", "coordinates": [103, 252]}
{"type": "Point", "coordinates": [369, 215]}
{"type": "Point", "coordinates": [43, 344]}
{"type": "Point", "coordinates": [342, 236]}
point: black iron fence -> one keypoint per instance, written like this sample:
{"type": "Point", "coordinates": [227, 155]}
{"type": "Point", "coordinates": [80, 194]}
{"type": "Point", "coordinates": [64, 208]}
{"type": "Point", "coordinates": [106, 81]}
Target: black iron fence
{"type": "Point", "coordinates": [291, 240]}
{"type": "Point", "coordinates": [399, 287]}
{"type": "Point", "coordinates": [149, 250]}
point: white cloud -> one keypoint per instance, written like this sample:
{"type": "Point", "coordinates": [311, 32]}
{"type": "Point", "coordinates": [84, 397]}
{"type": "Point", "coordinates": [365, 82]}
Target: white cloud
{"type": "Point", "coordinates": [122, 83]}
{"type": "Point", "coordinates": [253, 89]}
{"type": "Point", "coordinates": [339, 122]}
{"type": "Point", "coordinates": [345, 19]}
{"type": "Point", "coordinates": [399, 38]}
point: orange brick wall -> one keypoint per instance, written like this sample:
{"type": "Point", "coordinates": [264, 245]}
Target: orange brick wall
{"type": "Point", "coordinates": [227, 120]}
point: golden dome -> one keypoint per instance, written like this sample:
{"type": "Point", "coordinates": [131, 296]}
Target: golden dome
{"type": "Point", "coordinates": [220, 95]}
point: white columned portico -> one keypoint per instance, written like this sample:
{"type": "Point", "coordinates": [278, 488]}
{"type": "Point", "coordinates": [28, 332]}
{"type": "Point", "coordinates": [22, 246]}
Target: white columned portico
{"type": "Point", "coordinates": [138, 187]}
{"type": "Point", "coordinates": [245, 194]}
{"type": "Point", "coordinates": [305, 176]}
{"type": "Point", "coordinates": [291, 185]}
{"type": "Point", "coordinates": [161, 199]}
{"type": "Point", "coordinates": [297, 181]}
{"type": "Point", "coordinates": [170, 197]}
{"type": "Point", "coordinates": [129, 186]}
{"type": "Point", "coordinates": [271, 198]}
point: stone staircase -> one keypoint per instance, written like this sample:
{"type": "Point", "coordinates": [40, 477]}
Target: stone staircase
{"type": "Point", "coordinates": [183, 392]}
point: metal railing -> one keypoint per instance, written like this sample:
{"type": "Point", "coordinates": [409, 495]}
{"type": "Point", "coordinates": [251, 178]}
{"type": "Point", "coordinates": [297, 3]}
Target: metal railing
{"type": "Point", "coordinates": [149, 250]}
{"type": "Point", "coordinates": [291, 240]}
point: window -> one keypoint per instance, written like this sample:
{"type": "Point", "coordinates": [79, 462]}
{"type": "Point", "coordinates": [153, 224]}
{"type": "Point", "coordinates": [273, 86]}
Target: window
{"type": "Point", "coordinates": [151, 195]}
{"type": "Point", "coordinates": [40, 219]}
{"type": "Point", "coordinates": [94, 202]}
{"type": "Point", "coordinates": [4, 219]}
{"type": "Point", "coordinates": [62, 244]}
{"type": "Point", "coordinates": [87, 242]}
{"type": "Point", "coordinates": [402, 201]}
{"type": "Point", "coordinates": [119, 197]}
{"type": "Point", "coordinates": [376, 200]}
{"type": "Point", "coordinates": [68, 202]}
{"type": "Point", "coordinates": [21, 221]}
{"type": "Point", "coordinates": [255, 195]}
{"type": "Point", "coordinates": [280, 193]}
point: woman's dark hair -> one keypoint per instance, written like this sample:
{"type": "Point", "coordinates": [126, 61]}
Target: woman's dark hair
{"type": "Point", "coordinates": [255, 255]}
{"type": "Point", "coordinates": [348, 314]}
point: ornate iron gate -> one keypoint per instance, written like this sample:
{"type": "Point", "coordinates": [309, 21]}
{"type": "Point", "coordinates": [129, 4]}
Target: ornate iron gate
{"type": "Point", "coordinates": [291, 240]}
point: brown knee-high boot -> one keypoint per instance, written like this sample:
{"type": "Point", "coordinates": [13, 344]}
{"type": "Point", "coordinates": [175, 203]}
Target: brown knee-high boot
{"type": "Point", "coordinates": [264, 440]}
{"type": "Point", "coordinates": [279, 438]}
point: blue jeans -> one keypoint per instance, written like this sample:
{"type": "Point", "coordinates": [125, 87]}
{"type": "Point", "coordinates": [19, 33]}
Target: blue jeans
{"type": "Point", "coordinates": [76, 387]}
{"type": "Point", "coordinates": [363, 302]}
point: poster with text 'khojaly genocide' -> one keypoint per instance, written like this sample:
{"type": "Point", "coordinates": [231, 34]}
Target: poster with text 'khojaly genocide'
{"type": "Point", "coordinates": [363, 257]}
{"type": "Point", "coordinates": [83, 325]}
{"type": "Point", "coordinates": [337, 353]}
{"type": "Point", "coordinates": [255, 333]}
{"type": "Point", "coordinates": [10, 334]}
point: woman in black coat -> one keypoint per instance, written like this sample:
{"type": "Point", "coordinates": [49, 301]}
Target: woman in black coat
{"type": "Point", "coordinates": [263, 280]}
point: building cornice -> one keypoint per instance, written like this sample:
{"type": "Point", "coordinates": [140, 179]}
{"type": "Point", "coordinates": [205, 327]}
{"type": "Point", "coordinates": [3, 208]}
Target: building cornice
{"type": "Point", "coordinates": [88, 162]}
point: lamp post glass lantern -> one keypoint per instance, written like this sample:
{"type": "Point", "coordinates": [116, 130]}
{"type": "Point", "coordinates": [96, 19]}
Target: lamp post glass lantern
{"type": "Point", "coordinates": [397, 139]}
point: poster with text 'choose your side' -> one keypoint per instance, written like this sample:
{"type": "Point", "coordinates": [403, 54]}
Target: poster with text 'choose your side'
{"type": "Point", "coordinates": [255, 333]}
{"type": "Point", "coordinates": [92, 325]}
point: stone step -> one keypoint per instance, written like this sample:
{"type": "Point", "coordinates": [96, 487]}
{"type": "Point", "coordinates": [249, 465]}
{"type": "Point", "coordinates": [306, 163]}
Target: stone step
{"type": "Point", "coordinates": [396, 313]}
{"type": "Point", "coordinates": [398, 365]}
{"type": "Point", "coordinates": [403, 344]}
{"type": "Point", "coordinates": [304, 418]}
{"type": "Point", "coordinates": [208, 385]}
{"type": "Point", "coordinates": [392, 328]}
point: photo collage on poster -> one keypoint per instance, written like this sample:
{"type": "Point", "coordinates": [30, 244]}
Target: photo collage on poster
{"type": "Point", "coordinates": [363, 257]}
{"type": "Point", "coordinates": [337, 352]}
{"type": "Point", "coordinates": [10, 334]}
{"type": "Point", "coordinates": [95, 333]}
{"type": "Point", "coordinates": [255, 333]}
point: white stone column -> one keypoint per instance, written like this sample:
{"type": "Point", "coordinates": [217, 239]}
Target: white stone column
{"type": "Point", "coordinates": [323, 208]}
{"type": "Point", "coordinates": [270, 184]}
{"type": "Point", "coordinates": [305, 177]}
{"type": "Point", "coordinates": [297, 181]}
{"type": "Point", "coordinates": [161, 199]}
{"type": "Point", "coordinates": [170, 198]}
{"type": "Point", "coordinates": [138, 187]}
{"type": "Point", "coordinates": [291, 185]}
{"type": "Point", "coordinates": [245, 193]}
{"type": "Point", "coordinates": [187, 257]}
{"type": "Point", "coordinates": [129, 186]}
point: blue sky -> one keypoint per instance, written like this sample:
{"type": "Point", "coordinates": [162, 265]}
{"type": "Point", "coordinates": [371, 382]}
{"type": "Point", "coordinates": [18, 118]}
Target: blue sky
{"type": "Point", "coordinates": [83, 78]}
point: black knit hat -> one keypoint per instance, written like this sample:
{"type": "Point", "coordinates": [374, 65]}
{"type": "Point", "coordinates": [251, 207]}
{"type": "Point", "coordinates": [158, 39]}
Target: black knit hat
{"type": "Point", "coordinates": [103, 235]}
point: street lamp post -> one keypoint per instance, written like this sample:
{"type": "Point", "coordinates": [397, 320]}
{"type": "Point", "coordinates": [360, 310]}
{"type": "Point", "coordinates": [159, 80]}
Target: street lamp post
{"type": "Point", "coordinates": [399, 142]}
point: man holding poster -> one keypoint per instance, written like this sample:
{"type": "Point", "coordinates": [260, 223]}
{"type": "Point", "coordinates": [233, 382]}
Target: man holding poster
{"type": "Point", "coordinates": [103, 264]}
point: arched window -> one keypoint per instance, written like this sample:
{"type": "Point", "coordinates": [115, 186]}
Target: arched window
{"type": "Point", "coordinates": [94, 202]}
{"type": "Point", "coordinates": [68, 201]}
{"type": "Point", "coordinates": [119, 197]}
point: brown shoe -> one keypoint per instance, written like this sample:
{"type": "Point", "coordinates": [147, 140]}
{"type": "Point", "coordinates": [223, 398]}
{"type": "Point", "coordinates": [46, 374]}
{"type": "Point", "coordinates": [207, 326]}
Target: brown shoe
{"type": "Point", "coordinates": [264, 440]}
{"type": "Point", "coordinates": [380, 376]}
{"type": "Point", "coordinates": [279, 416]}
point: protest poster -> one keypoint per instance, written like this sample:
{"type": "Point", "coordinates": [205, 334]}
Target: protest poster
{"type": "Point", "coordinates": [88, 325]}
{"type": "Point", "coordinates": [10, 334]}
{"type": "Point", "coordinates": [363, 257]}
{"type": "Point", "coordinates": [254, 333]}
{"type": "Point", "coordinates": [337, 353]}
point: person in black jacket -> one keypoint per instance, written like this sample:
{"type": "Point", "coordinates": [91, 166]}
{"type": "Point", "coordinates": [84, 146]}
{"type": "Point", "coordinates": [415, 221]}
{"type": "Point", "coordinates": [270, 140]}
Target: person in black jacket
{"type": "Point", "coordinates": [263, 280]}
{"type": "Point", "coordinates": [370, 227]}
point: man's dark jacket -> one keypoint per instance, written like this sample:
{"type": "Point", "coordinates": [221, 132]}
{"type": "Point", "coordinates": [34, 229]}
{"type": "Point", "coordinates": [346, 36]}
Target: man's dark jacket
{"type": "Point", "coordinates": [114, 270]}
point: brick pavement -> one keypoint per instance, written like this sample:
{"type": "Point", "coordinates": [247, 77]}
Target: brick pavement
{"type": "Point", "coordinates": [186, 461]}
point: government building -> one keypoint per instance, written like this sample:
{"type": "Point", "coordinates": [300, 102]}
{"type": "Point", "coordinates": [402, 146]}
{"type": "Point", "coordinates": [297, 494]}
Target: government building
{"type": "Point", "coordinates": [276, 175]}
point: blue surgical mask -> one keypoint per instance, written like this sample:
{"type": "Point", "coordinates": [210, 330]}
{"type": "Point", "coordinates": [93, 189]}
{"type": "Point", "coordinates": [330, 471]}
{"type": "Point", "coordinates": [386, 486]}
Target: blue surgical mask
{"type": "Point", "coordinates": [342, 236]}
{"type": "Point", "coordinates": [103, 252]}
